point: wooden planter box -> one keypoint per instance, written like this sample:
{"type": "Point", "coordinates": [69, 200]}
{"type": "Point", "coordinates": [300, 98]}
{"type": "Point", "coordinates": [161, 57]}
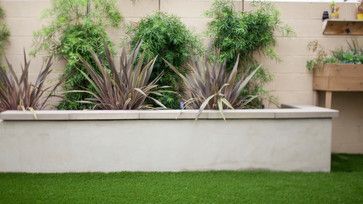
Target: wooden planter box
{"type": "Point", "coordinates": [338, 77]}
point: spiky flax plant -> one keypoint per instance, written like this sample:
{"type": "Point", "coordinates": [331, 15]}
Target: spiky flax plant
{"type": "Point", "coordinates": [123, 87]}
{"type": "Point", "coordinates": [19, 93]}
{"type": "Point", "coordinates": [208, 85]}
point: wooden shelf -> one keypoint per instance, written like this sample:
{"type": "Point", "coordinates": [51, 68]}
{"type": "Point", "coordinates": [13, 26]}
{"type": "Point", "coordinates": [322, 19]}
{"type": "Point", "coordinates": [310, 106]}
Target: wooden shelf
{"type": "Point", "coordinates": [342, 27]}
{"type": "Point", "coordinates": [338, 78]}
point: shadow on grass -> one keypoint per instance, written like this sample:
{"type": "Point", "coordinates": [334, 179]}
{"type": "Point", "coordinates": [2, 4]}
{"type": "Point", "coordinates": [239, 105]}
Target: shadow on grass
{"type": "Point", "coordinates": [347, 163]}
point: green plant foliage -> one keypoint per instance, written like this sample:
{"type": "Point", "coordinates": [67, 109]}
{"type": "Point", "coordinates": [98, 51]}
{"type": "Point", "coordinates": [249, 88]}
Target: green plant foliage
{"type": "Point", "coordinates": [76, 27]}
{"type": "Point", "coordinates": [246, 34]}
{"type": "Point", "coordinates": [351, 55]}
{"type": "Point", "coordinates": [4, 32]}
{"type": "Point", "coordinates": [77, 41]}
{"type": "Point", "coordinates": [168, 38]}
{"type": "Point", "coordinates": [67, 13]}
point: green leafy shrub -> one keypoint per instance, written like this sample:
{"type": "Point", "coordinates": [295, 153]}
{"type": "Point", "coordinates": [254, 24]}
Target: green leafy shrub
{"type": "Point", "coordinates": [352, 55]}
{"type": "Point", "coordinates": [4, 32]}
{"type": "Point", "coordinates": [77, 41]}
{"type": "Point", "coordinates": [246, 34]}
{"type": "Point", "coordinates": [77, 27]}
{"type": "Point", "coordinates": [168, 38]}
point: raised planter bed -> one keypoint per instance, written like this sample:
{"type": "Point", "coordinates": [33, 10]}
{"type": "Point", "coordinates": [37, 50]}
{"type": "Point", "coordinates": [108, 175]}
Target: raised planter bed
{"type": "Point", "coordinates": [338, 77]}
{"type": "Point", "coordinates": [288, 139]}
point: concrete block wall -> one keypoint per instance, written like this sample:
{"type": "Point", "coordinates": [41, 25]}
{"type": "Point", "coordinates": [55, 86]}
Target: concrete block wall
{"type": "Point", "coordinates": [292, 83]}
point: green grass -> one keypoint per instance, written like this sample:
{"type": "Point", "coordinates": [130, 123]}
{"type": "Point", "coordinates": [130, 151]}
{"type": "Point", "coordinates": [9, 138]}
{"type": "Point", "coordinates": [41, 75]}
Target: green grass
{"type": "Point", "coordinates": [343, 185]}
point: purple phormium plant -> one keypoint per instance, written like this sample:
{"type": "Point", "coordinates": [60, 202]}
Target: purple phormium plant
{"type": "Point", "coordinates": [208, 85]}
{"type": "Point", "coordinates": [18, 93]}
{"type": "Point", "coordinates": [125, 87]}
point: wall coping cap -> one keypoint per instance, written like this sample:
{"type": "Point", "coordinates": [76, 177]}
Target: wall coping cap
{"type": "Point", "coordinates": [287, 111]}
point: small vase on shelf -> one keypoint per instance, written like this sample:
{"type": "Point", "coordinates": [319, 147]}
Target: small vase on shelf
{"type": "Point", "coordinates": [334, 10]}
{"type": "Point", "coordinates": [360, 11]}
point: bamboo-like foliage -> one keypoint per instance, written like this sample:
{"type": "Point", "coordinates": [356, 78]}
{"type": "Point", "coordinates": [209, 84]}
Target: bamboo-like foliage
{"type": "Point", "coordinates": [125, 87]}
{"type": "Point", "coordinates": [4, 32]}
{"type": "Point", "coordinates": [18, 93]}
{"type": "Point", "coordinates": [209, 85]}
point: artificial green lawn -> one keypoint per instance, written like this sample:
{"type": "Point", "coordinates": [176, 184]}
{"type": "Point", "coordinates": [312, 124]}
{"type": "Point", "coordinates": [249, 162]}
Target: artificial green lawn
{"type": "Point", "coordinates": [343, 185]}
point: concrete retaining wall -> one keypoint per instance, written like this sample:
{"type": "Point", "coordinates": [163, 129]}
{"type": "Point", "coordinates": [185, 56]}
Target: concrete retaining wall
{"type": "Point", "coordinates": [295, 139]}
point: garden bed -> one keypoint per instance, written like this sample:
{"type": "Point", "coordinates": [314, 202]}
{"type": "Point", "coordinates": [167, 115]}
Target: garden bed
{"type": "Point", "coordinates": [289, 139]}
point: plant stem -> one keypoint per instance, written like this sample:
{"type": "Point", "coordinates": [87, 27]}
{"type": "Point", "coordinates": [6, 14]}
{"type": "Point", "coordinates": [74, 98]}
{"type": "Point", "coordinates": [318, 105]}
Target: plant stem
{"type": "Point", "coordinates": [88, 7]}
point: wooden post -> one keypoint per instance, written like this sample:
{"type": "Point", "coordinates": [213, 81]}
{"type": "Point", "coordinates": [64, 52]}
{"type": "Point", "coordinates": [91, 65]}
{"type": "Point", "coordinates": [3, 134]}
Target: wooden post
{"type": "Point", "coordinates": [243, 5]}
{"type": "Point", "coordinates": [159, 5]}
{"type": "Point", "coordinates": [328, 99]}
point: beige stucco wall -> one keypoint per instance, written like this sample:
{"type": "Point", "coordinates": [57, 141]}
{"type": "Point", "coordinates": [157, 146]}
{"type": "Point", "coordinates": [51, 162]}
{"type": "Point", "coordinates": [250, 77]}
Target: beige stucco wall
{"type": "Point", "coordinates": [292, 83]}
